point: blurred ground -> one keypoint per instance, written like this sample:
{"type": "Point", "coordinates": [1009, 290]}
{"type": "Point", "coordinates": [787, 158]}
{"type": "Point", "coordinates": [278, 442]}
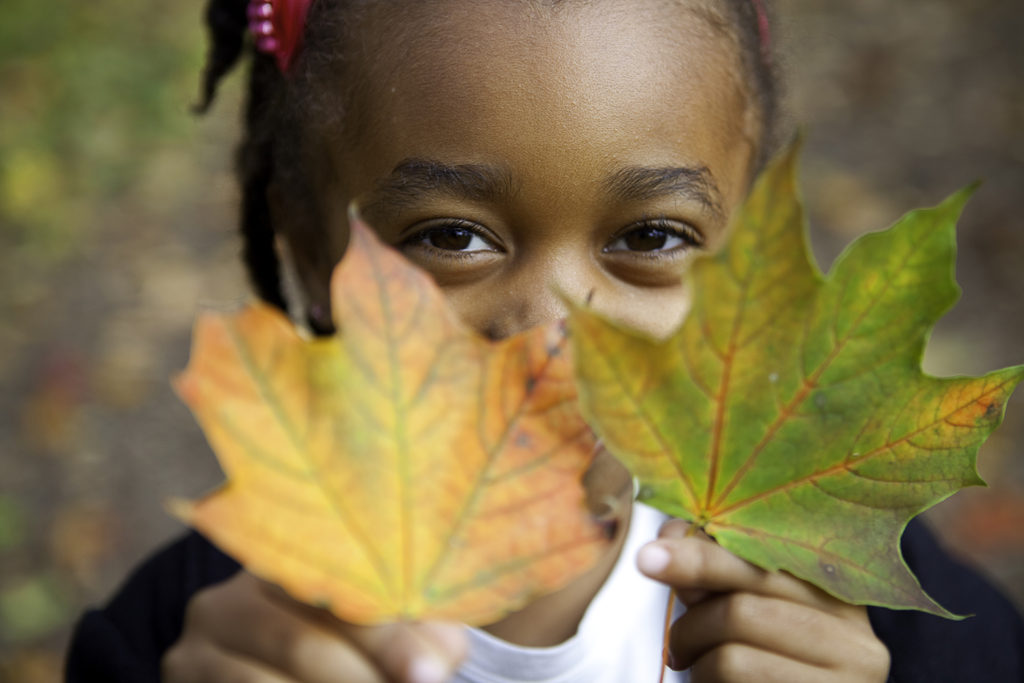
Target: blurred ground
{"type": "Point", "coordinates": [116, 224]}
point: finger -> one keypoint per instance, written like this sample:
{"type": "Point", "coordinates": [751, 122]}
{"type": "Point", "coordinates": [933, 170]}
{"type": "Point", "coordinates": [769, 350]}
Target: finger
{"type": "Point", "coordinates": [679, 528]}
{"type": "Point", "coordinates": [204, 663]}
{"type": "Point", "coordinates": [420, 652]}
{"type": "Point", "coordinates": [694, 564]}
{"type": "Point", "coordinates": [790, 629]}
{"type": "Point", "coordinates": [417, 652]}
{"type": "Point", "coordinates": [241, 618]}
{"type": "Point", "coordinates": [735, 662]}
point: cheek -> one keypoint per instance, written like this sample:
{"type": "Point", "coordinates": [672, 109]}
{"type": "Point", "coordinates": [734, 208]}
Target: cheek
{"type": "Point", "coordinates": [654, 312]}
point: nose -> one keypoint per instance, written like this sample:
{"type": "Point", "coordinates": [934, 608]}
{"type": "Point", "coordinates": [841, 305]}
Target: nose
{"type": "Point", "coordinates": [532, 290]}
{"type": "Point", "coordinates": [520, 310]}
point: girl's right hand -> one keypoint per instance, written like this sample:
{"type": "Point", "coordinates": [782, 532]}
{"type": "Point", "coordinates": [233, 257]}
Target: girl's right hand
{"type": "Point", "coordinates": [245, 630]}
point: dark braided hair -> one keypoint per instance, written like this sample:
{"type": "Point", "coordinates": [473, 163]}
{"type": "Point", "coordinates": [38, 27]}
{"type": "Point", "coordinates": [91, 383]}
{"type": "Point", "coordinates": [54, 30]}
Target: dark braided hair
{"type": "Point", "coordinates": [268, 104]}
{"type": "Point", "coordinates": [227, 25]}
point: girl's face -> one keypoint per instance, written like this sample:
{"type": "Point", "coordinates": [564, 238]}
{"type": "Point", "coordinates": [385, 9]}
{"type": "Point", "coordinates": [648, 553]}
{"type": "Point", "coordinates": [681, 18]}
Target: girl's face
{"type": "Point", "coordinates": [518, 150]}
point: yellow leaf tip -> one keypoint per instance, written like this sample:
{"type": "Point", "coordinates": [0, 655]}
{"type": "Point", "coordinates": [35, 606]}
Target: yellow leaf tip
{"type": "Point", "coordinates": [354, 215]}
{"type": "Point", "coordinates": [183, 384]}
{"type": "Point", "coordinates": [571, 303]}
{"type": "Point", "coordinates": [183, 510]}
{"type": "Point", "coordinates": [359, 230]}
{"type": "Point", "coordinates": [955, 202]}
{"type": "Point", "coordinates": [788, 157]}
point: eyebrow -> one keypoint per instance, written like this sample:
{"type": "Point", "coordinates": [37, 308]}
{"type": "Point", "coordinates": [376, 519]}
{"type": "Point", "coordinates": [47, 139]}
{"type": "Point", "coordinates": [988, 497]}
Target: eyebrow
{"type": "Point", "coordinates": [413, 178]}
{"type": "Point", "coordinates": [638, 183]}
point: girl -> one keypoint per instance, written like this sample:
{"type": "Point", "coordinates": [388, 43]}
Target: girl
{"type": "Point", "coordinates": [514, 149]}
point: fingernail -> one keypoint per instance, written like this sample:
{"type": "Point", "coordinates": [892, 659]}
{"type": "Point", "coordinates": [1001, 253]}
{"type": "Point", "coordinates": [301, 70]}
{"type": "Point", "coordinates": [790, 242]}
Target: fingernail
{"type": "Point", "coordinates": [427, 670]}
{"type": "Point", "coordinates": [672, 661]}
{"type": "Point", "coordinates": [652, 559]}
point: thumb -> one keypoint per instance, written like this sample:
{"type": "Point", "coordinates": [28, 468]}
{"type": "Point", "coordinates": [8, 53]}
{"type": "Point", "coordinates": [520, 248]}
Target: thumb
{"type": "Point", "coordinates": [654, 558]}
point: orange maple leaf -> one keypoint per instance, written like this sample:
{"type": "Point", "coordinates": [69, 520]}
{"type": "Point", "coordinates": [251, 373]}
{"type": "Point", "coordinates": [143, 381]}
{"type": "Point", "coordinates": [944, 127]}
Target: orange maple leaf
{"type": "Point", "coordinates": [406, 468]}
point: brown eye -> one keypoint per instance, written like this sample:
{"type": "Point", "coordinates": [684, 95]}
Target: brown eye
{"type": "Point", "coordinates": [453, 236]}
{"type": "Point", "coordinates": [656, 236]}
{"type": "Point", "coordinates": [450, 239]}
{"type": "Point", "coordinates": [645, 239]}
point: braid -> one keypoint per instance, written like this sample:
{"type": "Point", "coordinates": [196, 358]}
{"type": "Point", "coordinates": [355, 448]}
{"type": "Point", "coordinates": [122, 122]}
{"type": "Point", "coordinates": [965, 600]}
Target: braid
{"type": "Point", "coordinates": [255, 162]}
{"type": "Point", "coordinates": [227, 24]}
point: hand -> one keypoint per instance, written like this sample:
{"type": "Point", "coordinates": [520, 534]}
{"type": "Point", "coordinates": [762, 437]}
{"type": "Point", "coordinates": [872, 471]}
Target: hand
{"type": "Point", "coordinates": [246, 630]}
{"type": "Point", "coordinates": [746, 624]}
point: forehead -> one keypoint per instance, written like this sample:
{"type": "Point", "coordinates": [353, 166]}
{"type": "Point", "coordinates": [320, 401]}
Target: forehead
{"type": "Point", "coordinates": [625, 82]}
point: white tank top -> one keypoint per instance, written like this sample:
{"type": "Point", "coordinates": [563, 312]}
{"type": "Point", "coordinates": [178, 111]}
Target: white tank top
{"type": "Point", "coordinates": [618, 641]}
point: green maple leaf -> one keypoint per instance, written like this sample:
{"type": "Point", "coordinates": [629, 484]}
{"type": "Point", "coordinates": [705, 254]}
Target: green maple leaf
{"type": "Point", "coordinates": [788, 417]}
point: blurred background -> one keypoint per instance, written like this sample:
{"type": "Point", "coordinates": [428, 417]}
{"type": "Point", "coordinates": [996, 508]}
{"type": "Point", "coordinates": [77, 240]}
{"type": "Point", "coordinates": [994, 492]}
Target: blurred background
{"type": "Point", "coordinates": [117, 223]}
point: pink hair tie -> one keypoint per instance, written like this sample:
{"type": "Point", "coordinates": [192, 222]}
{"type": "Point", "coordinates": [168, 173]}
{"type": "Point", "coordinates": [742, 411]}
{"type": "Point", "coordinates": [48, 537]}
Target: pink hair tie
{"type": "Point", "coordinates": [763, 30]}
{"type": "Point", "coordinates": [277, 27]}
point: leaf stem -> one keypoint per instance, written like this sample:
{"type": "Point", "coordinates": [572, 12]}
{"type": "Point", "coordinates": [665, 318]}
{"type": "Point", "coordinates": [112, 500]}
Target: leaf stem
{"type": "Point", "coordinates": [664, 641]}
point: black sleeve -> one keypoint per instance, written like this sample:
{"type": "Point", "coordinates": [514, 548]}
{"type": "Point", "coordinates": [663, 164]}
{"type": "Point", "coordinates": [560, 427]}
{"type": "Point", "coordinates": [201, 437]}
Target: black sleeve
{"type": "Point", "coordinates": [988, 646]}
{"type": "Point", "coordinates": [123, 642]}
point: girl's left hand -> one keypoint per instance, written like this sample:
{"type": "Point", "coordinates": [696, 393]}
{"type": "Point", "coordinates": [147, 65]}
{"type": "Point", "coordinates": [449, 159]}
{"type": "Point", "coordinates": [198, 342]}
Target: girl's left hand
{"type": "Point", "coordinates": [746, 624]}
